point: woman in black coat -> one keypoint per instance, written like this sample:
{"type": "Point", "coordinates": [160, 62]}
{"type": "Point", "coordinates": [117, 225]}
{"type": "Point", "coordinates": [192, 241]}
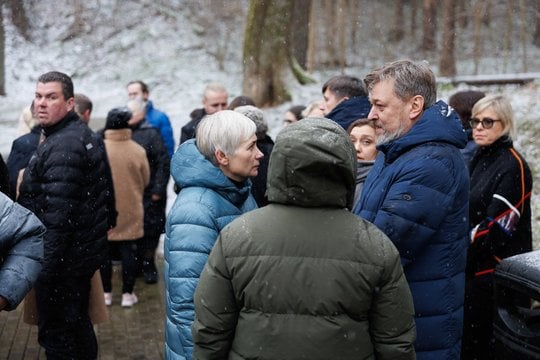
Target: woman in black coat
{"type": "Point", "coordinates": [499, 217]}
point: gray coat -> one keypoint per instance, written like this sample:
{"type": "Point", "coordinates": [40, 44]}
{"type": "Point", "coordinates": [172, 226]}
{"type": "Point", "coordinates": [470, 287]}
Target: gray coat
{"type": "Point", "coordinates": [21, 251]}
{"type": "Point", "coordinates": [303, 277]}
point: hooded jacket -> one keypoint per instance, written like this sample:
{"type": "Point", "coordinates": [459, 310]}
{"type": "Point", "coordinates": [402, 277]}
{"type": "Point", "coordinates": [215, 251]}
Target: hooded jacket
{"type": "Point", "coordinates": [207, 202]}
{"type": "Point", "coordinates": [417, 194]}
{"type": "Point", "coordinates": [303, 278]}
{"type": "Point", "coordinates": [21, 244]}
{"type": "Point", "coordinates": [350, 110]}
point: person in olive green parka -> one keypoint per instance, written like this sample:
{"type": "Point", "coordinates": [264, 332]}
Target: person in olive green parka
{"type": "Point", "coordinates": [304, 278]}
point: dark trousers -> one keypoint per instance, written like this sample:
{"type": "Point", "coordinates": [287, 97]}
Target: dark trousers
{"type": "Point", "coordinates": [64, 327]}
{"type": "Point", "coordinates": [126, 249]}
{"type": "Point", "coordinates": [478, 342]}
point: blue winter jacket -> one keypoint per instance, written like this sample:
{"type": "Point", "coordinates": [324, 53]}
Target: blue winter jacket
{"type": "Point", "coordinates": [160, 121]}
{"type": "Point", "coordinates": [417, 194]}
{"type": "Point", "coordinates": [207, 202]}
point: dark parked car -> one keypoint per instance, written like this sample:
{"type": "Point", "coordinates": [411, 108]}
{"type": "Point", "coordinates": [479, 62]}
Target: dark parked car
{"type": "Point", "coordinates": [517, 307]}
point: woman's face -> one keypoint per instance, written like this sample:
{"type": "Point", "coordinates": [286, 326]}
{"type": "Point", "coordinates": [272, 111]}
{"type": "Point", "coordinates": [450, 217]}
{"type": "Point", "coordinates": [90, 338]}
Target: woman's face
{"type": "Point", "coordinates": [364, 139]}
{"type": "Point", "coordinates": [289, 119]}
{"type": "Point", "coordinates": [483, 136]}
{"type": "Point", "coordinates": [244, 162]}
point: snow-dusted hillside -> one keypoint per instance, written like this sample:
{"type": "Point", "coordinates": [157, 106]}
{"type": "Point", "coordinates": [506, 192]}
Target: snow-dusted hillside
{"type": "Point", "coordinates": [177, 46]}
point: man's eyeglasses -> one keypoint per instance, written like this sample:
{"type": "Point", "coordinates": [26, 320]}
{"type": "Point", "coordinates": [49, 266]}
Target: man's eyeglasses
{"type": "Point", "coordinates": [487, 123]}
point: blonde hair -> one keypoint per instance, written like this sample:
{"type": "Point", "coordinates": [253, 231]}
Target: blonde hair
{"type": "Point", "coordinates": [502, 107]}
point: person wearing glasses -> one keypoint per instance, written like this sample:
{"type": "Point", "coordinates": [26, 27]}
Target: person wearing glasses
{"type": "Point", "coordinates": [499, 217]}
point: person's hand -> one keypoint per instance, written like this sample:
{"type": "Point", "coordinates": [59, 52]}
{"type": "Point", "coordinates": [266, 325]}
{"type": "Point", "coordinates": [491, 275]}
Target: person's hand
{"type": "Point", "coordinates": [3, 303]}
{"type": "Point", "coordinates": [156, 197]}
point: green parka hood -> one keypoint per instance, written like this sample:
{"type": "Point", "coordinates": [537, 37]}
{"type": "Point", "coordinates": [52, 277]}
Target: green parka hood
{"type": "Point", "coordinates": [312, 165]}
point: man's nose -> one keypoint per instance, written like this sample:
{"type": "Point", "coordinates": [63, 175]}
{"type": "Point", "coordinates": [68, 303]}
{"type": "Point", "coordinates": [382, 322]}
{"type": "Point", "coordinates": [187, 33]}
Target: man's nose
{"type": "Point", "coordinates": [372, 113]}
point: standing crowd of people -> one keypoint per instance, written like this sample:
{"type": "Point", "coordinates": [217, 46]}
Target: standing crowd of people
{"type": "Point", "coordinates": [370, 228]}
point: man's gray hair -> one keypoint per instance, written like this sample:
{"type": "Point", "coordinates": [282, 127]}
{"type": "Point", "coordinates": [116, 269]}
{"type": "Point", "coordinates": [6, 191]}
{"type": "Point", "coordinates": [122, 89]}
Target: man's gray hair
{"type": "Point", "coordinates": [225, 131]}
{"type": "Point", "coordinates": [410, 79]}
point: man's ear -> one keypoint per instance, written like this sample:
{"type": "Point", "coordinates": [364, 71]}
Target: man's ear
{"type": "Point", "coordinates": [417, 106]}
{"type": "Point", "coordinates": [221, 158]}
{"type": "Point", "coordinates": [70, 103]}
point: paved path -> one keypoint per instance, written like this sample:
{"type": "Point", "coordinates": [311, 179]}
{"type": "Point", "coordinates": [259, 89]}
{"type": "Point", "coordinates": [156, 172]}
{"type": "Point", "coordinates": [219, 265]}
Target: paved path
{"type": "Point", "coordinates": [131, 333]}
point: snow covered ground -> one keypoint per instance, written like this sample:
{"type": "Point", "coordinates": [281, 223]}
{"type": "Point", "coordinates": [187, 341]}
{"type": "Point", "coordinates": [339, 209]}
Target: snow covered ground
{"type": "Point", "coordinates": [175, 55]}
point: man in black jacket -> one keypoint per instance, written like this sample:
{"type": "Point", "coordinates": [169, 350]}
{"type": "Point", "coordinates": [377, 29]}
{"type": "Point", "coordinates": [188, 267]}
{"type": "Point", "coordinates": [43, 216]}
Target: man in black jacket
{"type": "Point", "coordinates": [65, 185]}
{"type": "Point", "coordinates": [155, 194]}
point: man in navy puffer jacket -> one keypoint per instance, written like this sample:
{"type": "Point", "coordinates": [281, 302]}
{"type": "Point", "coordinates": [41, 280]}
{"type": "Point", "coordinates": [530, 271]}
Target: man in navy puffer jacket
{"type": "Point", "coordinates": [417, 194]}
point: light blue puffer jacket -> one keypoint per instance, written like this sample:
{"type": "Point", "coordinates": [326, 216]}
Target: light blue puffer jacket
{"type": "Point", "coordinates": [207, 202]}
{"type": "Point", "coordinates": [21, 251]}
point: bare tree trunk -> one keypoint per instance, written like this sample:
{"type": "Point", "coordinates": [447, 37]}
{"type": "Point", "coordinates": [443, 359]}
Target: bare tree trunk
{"type": "Point", "coordinates": [536, 36]}
{"type": "Point", "coordinates": [462, 14]}
{"type": "Point", "coordinates": [312, 45]}
{"type": "Point", "coordinates": [507, 38]}
{"type": "Point", "coordinates": [447, 64]}
{"type": "Point", "coordinates": [430, 26]}
{"type": "Point", "coordinates": [18, 17]}
{"type": "Point", "coordinates": [330, 32]}
{"type": "Point", "coordinates": [266, 51]}
{"type": "Point", "coordinates": [477, 49]}
{"type": "Point", "coordinates": [2, 56]}
{"type": "Point", "coordinates": [353, 16]}
{"type": "Point", "coordinates": [299, 31]}
{"type": "Point", "coordinates": [523, 32]}
{"type": "Point", "coordinates": [414, 8]}
{"type": "Point", "coordinates": [340, 24]}
{"type": "Point", "coordinates": [397, 32]}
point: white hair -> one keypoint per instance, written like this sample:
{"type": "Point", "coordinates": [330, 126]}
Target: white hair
{"type": "Point", "coordinates": [224, 131]}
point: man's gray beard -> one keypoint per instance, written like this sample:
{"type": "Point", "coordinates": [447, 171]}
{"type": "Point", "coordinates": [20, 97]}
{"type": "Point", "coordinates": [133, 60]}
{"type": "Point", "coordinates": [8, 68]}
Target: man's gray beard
{"type": "Point", "coordinates": [386, 137]}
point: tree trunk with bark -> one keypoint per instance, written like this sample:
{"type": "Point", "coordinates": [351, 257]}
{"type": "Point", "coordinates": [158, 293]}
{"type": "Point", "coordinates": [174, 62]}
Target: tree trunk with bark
{"type": "Point", "coordinates": [447, 63]}
{"type": "Point", "coordinates": [299, 31]}
{"type": "Point", "coordinates": [266, 44]}
{"type": "Point", "coordinates": [429, 25]}
{"type": "Point", "coordinates": [397, 32]}
{"type": "Point", "coordinates": [2, 56]}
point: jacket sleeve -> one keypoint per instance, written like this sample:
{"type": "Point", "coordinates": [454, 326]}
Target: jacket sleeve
{"type": "Point", "coordinates": [161, 161]}
{"type": "Point", "coordinates": [216, 312]}
{"type": "Point", "coordinates": [191, 231]}
{"type": "Point", "coordinates": [166, 133]}
{"type": "Point", "coordinates": [21, 244]}
{"type": "Point", "coordinates": [391, 320]}
{"type": "Point", "coordinates": [415, 205]}
{"type": "Point", "coordinates": [492, 235]}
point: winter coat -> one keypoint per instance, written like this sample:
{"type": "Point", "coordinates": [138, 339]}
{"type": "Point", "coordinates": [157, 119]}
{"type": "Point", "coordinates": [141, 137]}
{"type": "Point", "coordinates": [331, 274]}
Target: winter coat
{"type": "Point", "coordinates": [131, 174]}
{"type": "Point", "coordinates": [65, 184]}
{"type": "Point", "coordinates": [500, 220]}
{"type": "Point", "coordinates": [303, 278]}
{"type": "Point", "coordinates": [21, 251]}
{"type": "Point", "coordinates": [154, 211]}
{"type": "Point", "coordinates": [417, 194]}
{"type": "Point", "coordinates": [188, 130]}
{"type": "Point", "coordinates": [4, 179]}
{"type": "Point", "coordinates": [207, 202]}
{"type": "Point", "coordinates": [363, 169]}
{"type": "Point", "coordinates": [258, 188]}
{"type": "Point", "coordinates": [22, 149]}
{"type": "Point", "coordinates": [160, 120]}
{"type": "Point", "coordinates": [350, 110]}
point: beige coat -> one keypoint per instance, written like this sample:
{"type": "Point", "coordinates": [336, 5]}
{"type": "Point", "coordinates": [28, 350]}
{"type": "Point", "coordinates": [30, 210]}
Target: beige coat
{"type": "Point", "coordinates": [131, 174]}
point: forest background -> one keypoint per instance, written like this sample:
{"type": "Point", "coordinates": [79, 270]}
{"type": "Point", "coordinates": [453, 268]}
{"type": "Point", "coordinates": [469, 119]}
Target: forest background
{"type": "Point", "coordinates": [279, 52]}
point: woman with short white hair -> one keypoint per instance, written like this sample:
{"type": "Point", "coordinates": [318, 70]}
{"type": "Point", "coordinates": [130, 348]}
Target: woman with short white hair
{"type": "Point", "coordinates": [212, 172]}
